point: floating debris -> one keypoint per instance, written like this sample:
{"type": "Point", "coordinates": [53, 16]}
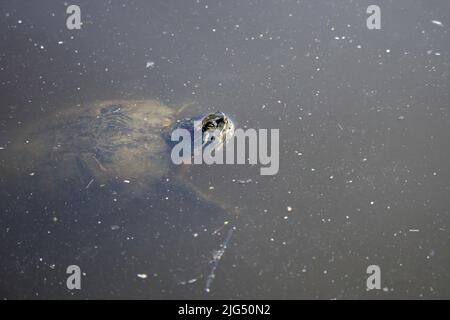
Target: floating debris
{"type": "Point", "coordinates": [150, 65]}
{"type": "Point", "coordinates": [217, 255]}
{"type": "Point", "coordinates": [142, 275]}
{"type": "Point", "coordinates": [400, 118]}
{"type": "Point", "coordinates": [115, 227]}
{"type": "Point", "coordinates": [438, 23]}
{"type": "Point", "coordinates": [31, 174]}
{"type": "Point", "coordinates": [289, 208]}
{"type": "Point", "coordinates": [191, 281]}
{"type": "Point", "coordinates": [220, 229]}
{"type": "Point", "coordinates": [89, 184]}
{"type": "Point", "coordinates": [414, 230]}
{"type": "Point", "coordinates": [242, 181]}
{"type": "Point", "coordinates": [126, 181]}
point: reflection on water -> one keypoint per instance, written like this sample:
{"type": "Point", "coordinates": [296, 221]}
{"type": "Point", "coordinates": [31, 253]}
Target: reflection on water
{"type": "Point", "coordinates": [363, 178]}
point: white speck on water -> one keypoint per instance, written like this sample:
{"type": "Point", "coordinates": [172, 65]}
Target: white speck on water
{"type": "Point", "coordinates": [331, 177]}
{"type": "Point", "coordinates": [142, 275]}
{"type": "Point", "coordinates": [195, 235]}
{"type": "Point", "coordinates": [115, 227]}
{"type": "Point", "coordinates": [60, 42]}
{"type": "Point", "coordinates": [436, 22]}
{"type": "Point", "coordinates": [127, 181]}
{"type": "Point", "coordinates": [388, 50]}
{"type": "Point", "coordinates": [289, 208]}
{"type": "Point", "coordinates": [32, 174]}
{"type": "Point", "coordinates": [150, 65]}
{"type": "Point", "coordinates": [401, 118]}
{"type": "Point", "coordinates": [217, 256]}
{"type": "Point", "coordinates": [414, 230]}
{"type": "Point", "coordinates": [19, 21]}
{"type": "Point", "coordinates": [242, 181]}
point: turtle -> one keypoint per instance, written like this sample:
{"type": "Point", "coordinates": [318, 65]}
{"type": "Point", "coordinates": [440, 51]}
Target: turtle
{"type": "Point", "coordinates": [122, 144]}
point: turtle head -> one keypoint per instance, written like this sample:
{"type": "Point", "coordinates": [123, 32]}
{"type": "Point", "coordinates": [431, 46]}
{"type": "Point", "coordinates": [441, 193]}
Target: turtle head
{"type": "Point", "coordinates": [217, 128]}
{"type": "Point", "coordinates": [214, 129]}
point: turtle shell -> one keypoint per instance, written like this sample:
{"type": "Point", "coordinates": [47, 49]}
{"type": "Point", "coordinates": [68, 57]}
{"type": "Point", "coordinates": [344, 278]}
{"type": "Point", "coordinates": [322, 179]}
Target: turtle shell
{"type": "Point", "coordinates": [103, 142]}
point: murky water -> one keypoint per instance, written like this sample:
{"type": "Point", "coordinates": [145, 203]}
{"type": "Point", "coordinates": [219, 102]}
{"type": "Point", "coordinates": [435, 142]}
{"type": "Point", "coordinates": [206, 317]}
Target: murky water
{"type": "Point", "coordinates": [364, 154]}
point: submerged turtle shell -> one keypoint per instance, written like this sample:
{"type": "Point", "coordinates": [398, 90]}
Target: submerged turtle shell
{"type": "Point", "coordinates": [104, 142]}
